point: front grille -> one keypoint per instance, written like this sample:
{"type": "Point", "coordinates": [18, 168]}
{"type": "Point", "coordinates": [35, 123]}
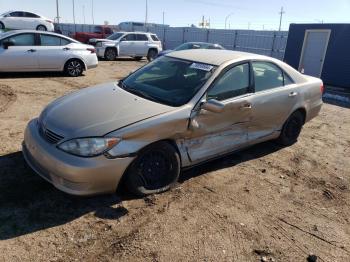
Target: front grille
{"type": "Point", "coordinates": [48, 135]}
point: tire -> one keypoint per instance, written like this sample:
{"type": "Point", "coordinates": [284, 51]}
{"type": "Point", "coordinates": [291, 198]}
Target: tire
{"type": "Point", "coordinates": [2, 26]}
{"type": "Point", "coordinates": [111, 54]}
{"type": "Point", "coordinates": [152, 54]}
{"type": "Point", "coordinates": [291, 129]}
{"type": "Point", "coordinates": [137, 58]}
{"type": "Point", "coordinates": [155, 170]}
{"type": "Point", "coordinates": [74, 68]}
{"type": "Point", "coordinates": [41, 28]}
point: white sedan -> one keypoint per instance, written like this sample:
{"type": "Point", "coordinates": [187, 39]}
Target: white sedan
{"type": "Point", "coordinates": [28, 50]}
{"type": "Point", "coordinates": [25, 20]}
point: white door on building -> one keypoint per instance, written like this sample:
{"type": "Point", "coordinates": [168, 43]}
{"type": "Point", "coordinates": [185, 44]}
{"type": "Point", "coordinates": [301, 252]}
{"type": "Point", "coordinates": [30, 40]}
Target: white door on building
{"type": "Point", "coordinates": [314, 52]}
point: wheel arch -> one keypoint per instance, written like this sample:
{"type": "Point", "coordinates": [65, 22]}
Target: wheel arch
{"type": "Point", "coordinates": [302, 110]}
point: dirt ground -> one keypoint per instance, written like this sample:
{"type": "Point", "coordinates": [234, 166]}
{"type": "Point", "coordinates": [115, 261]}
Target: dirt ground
{"type": "Point", "coordinates": [264, 203]}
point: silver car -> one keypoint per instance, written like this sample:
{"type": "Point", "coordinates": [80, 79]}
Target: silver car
{"type": "Point", "coordinates": [34, 51]}
{"type": "Point", "coordinates": [177, 111]}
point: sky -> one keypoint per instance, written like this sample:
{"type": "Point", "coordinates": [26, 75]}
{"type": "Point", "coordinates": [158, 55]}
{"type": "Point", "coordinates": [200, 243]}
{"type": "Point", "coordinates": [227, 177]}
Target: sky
{"type": "Point", "coordinates": [239, 14]}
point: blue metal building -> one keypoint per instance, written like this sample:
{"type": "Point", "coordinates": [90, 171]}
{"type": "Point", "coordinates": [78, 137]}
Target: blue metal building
{"type": "Point", "coordinates": [321, 50]}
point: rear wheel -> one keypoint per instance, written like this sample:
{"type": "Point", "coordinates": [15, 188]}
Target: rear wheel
{"type": "Point", "coordinates": [74, 68]}
{"type": "Point", "coordinates": [2, 26]}
{"type": "Point", "coordinates": [152, 54]}
{"type": "Point", "coordinates": [110, 54]}
{"type": "Point", "coordinates": [291, 129]}
{"type": "Point", "coordinates": [155, 170]}
{"type": "Point", "coordinates": [41, 28]}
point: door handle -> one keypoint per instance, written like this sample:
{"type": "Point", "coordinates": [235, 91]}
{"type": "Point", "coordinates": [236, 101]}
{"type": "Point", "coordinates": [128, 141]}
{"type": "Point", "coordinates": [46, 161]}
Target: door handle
{"type": "Point", "coordinates": [292, 94]}
{"type": "Point", "coordinates": [66, 49]}
{"type": "Point", "coordinates": [246, 106]}
{"type": "Point", "coordinates": [31, 50]}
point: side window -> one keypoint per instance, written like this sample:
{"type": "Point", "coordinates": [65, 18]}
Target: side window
{"type": "Point", "coordinates": [50, 40]}
{"type": "Point", "coordinates": [234, 82]}
{"type": "Point", "coordinates": [141, 37]}
{"type": "Point", "coordinates": [154, 38]}
{"type": "Point", "coordinates": [22, 40]}
{"type": "Point", "coordinates": [130, 37]}
{"type": "Point", "coordinates": [30, 15]}
{"type": "Point", "coordinates": [108, 31]}
{"type": "Point", "coordinates": [267, 76]}
{"type": "Point", "coordinates": [16, 14]}
{"type": "Point", "coordinates": [287, 79]}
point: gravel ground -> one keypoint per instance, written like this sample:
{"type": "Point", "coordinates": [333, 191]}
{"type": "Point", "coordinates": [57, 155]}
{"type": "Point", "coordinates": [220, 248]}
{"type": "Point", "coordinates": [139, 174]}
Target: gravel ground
{"type": "Point", "coordinates": [266, 202]}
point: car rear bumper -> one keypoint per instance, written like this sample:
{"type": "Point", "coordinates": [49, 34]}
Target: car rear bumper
{"type": "Point", "coordinates": [71, 174]}
{"type": "Point", "coordinates": [100, 51]}
{"type": "Point", "coordinates": [91, 61]}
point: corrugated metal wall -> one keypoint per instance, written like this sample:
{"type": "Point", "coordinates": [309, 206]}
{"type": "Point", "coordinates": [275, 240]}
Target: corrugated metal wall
{"type": "Point", "coordinates": [271, 43]}
{"type": "Point", "coordinates": [336, 67]}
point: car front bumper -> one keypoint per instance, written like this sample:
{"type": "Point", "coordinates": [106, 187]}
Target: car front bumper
{"type": "Point", "coordinates": [71, 174]}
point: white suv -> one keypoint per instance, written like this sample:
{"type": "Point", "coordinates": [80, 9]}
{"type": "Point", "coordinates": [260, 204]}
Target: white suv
{"type": "Point", "coordinates": [134, 44]}
{"type": "Point", "coordinates": [25, 20]}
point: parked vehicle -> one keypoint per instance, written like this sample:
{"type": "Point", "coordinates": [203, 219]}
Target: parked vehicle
{"type": "Point", "coordinates": [25, 20]}
{"type": "Point", "coordinates": [29, 51]}
{"type": "Point", "coordinates": [99, 32]}
{"type": "Point", "coordinates": [192, 45]}
{"type": "Point", "coordinates": [177, 111]}
{"type": "Point", "coordinates": [135, 44]}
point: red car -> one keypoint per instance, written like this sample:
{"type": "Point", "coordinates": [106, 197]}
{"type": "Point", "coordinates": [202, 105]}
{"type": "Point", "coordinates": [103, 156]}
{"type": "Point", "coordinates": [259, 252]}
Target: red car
{"type": "Point", "coordinates": [99, 32]}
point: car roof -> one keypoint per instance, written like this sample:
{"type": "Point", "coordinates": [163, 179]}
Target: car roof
{"type": "Point", "coordinates": [213, 56]}
{"type": "Point", "coordinates": [13, 32]}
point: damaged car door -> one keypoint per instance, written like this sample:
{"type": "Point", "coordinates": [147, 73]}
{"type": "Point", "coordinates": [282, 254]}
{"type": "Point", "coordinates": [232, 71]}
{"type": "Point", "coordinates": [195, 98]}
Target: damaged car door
{"type": "Point", "coordinates": [220, 123]}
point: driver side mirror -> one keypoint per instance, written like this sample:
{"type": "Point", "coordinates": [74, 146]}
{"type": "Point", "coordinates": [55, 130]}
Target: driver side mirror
{"type": "Point", "coordinates": [213, 105]}
{"type": "Point", "coordinates": [8, 43]}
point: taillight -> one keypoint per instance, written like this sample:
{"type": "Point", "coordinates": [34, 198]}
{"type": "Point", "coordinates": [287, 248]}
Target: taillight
{"type": "Point", "coordinates": [92, 50]}
{"type": "Point", "coordinates": [322, 88]}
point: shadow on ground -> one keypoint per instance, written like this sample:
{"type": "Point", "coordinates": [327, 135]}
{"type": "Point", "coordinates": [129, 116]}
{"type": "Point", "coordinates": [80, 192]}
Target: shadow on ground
{"type": "Point", "coordinates": [29, 204]}
{"type": "Point", "coordinates": [33, 75]}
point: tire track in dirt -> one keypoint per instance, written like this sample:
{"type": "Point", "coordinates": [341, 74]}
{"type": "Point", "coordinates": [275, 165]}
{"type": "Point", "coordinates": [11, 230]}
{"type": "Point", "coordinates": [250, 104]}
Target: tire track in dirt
{"type": "Point", "coordinates": [7, 97]}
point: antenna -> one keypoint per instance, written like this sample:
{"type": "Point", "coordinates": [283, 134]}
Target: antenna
{"type": "Point", "coordinates": [281, 15]}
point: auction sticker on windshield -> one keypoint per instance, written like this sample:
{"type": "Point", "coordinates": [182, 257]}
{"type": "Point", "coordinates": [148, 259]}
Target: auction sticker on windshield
{"type": "Point", "coordinates": [200, 66]}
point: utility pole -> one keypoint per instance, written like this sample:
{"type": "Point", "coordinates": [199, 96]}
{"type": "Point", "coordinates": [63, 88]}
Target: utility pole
{"type": "Point", "coordinates": [248, 25]}
{"type": "Point", "coordinates": [146, 18]}
{"type": "Point", "coordinates": [281, 15]}
{"type": "Point", "coordinates": [226, 18]}
{"type": "Point", "coordinates": [57, 13]}
{"type": "Point", "coordinates": [84, 14]}
{"type": "Point", "coordinates": [75, 26]}
{"type": "Point", "coordinates": [92, 12]}
{"type": "Point", "coordinates": [163, 18]}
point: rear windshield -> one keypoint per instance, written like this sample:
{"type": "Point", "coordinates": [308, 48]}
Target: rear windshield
{"type": "Point", "coordinates": [154, 38]}
{"type": "Point", "coordinates": [168, 80]}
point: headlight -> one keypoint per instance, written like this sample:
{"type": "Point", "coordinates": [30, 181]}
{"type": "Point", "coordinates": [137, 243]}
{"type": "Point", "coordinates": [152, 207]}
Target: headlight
{"type": "Point", "coordinates": [89, 147]}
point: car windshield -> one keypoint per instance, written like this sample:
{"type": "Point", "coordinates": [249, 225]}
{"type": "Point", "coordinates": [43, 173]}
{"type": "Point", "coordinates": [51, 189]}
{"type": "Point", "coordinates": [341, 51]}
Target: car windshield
{"type": "Point", "coordinates": [115, 36]}
{"type": "Point", "coordinates": [168, 80]}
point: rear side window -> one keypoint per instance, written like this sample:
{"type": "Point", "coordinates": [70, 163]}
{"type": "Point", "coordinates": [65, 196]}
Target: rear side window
{"type": "Point", "coordinates": [154, 38]}
{"type": "Point", "coordinates": [141, 37]}
{"type": "Point", "coordinates": [267, 76]}
{"type": "Point", "coordinates": [234, 82]}
{"type": "Point", "coordinates": [30, 15]}
{"type": "Point", "coordinates": [50, 40]}
{"type": "Point", "coordinates": [22, 40]}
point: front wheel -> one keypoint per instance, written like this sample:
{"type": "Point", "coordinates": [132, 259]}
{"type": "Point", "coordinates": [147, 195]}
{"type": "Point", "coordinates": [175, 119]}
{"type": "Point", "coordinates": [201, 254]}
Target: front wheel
{"type": "Point", "coordinates": [291, 129]}
{"type": "Point", "coordinates": [74, 68]}
{"type": "Point", "coordinates": [155, 170]}
{"type": "Point", "coordinates": [41, 28]}
{"type": "Point", "coordinates": [152, 54]}
{"type": "Point", "coordinates": [110, 54]}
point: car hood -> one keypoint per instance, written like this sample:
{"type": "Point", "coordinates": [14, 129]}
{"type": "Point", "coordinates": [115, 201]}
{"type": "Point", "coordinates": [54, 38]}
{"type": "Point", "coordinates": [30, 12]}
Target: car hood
{"type": "Point", "coordinates": [98, 110]}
